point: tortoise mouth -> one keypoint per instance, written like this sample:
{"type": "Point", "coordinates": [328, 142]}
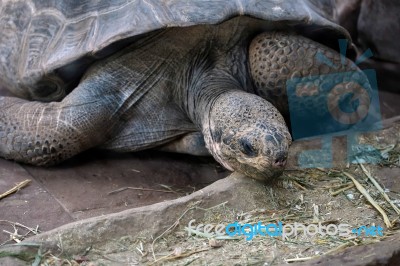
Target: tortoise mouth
{"type": "Point", "coordinates": [262, 167]}
{"type": "Point", "coordinates": [258, 168]}
{"type": "Point", "coordinates": [260, 172]}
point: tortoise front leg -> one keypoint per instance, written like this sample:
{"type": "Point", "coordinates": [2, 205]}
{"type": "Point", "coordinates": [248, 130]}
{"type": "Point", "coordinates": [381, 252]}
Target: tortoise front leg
{"type": "Point", "coordinates": [47, 133]}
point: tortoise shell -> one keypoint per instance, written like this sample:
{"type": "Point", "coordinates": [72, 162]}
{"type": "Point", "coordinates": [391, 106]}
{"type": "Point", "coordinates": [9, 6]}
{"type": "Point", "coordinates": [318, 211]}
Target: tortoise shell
{"type": "Point", "coordinates": [46, 46]}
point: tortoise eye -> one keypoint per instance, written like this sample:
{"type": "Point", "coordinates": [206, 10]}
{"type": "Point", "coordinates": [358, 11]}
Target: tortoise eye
{"type": "Point", "coordinates": [247, 148]}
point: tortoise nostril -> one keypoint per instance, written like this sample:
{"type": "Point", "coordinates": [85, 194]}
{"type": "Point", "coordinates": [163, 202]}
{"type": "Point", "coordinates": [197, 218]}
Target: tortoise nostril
{"type": "Point", "coordinates": [280, 160]}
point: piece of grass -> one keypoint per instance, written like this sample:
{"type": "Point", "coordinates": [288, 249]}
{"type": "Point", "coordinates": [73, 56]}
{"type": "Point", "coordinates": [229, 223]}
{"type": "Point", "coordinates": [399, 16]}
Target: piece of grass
{"type": "Point", "coordinates": [380, 189]}
{"type": "Point", "coordinates": [16, 188]}
{"type": "Point", "coordinates": [15, 236]}
{"type": "Point", "coordinates": [370, 199]}
{"type": "Point", "coordinates": [141, 189]}
{"type": "Point", "coordinates": [341, 190]}
{"type": "Point", "coordinates": [300, 259]}
{"type": "Point", "coordinates": [172, 255]}
{"type": "Point", "coordinates": [338, 186]}
{"type": "Point", "coordinates": [298, 185]}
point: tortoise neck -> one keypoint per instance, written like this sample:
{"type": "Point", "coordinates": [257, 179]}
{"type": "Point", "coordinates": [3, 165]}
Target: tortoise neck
{"type": "Point", "coordinates": [211, 75]}
{"type": "Point", "coordinates": [200, 97]}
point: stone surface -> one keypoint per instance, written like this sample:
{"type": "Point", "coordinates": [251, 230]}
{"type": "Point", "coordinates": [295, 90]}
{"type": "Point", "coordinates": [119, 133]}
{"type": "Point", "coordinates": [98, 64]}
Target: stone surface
{"type": "Point", "coordinates": [382, 253]}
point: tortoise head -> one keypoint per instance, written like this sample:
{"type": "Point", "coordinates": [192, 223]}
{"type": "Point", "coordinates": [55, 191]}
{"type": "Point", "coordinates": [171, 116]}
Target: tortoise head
{"type": "Point", "coordinates": [246, 133]}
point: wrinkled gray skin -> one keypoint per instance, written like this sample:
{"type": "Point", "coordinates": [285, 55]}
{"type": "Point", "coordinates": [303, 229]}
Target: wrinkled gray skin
{"type": "Point", "coordinates": [176, 89]}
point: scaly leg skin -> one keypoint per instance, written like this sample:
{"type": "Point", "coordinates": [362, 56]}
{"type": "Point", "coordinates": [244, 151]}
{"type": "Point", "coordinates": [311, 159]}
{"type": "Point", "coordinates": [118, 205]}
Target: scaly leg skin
{"type": "Point", "coordinates": [191, 143]}
{"type": "Point", "coordinates": [276, 57]}
{"type": "Point", "coordinates": [47, 133]}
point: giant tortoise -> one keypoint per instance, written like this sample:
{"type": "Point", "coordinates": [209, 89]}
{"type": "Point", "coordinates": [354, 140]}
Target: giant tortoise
{"type": "Point", "coordinates": [199, 77]}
